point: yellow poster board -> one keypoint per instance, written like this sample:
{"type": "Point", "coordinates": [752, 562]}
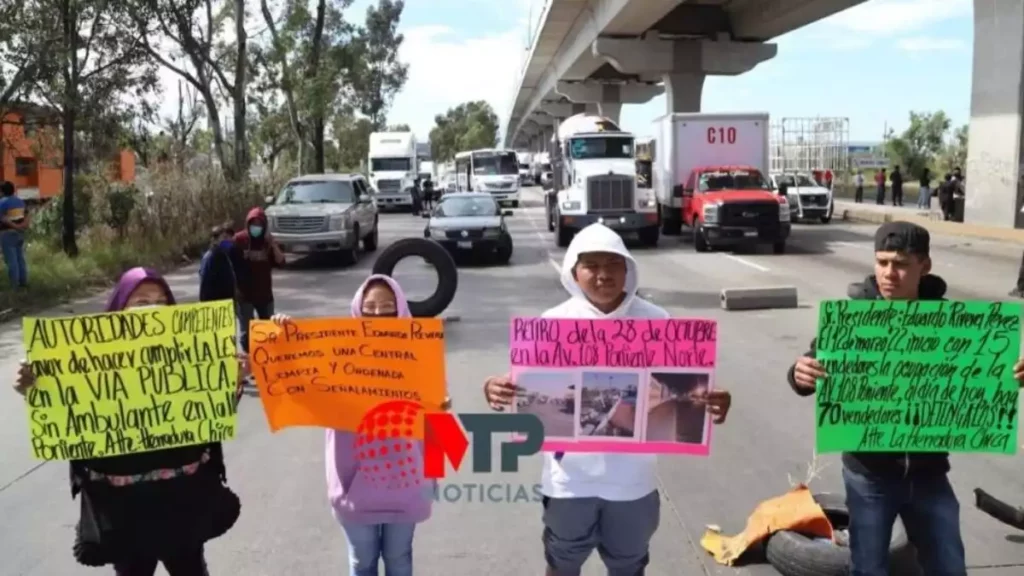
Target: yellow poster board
{"type": "Point", "coordinates": [133, 381]}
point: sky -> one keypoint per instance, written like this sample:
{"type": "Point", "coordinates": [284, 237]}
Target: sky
{"type": "Point", "coordinates": [874, 64]}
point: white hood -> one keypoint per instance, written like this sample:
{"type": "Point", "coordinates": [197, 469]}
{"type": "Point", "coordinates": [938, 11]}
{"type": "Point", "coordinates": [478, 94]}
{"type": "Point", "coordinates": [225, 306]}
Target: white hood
{"type": "Point", "coordinates": [597, 238]}
{"type": "Point", "coordinates": [618, 477]}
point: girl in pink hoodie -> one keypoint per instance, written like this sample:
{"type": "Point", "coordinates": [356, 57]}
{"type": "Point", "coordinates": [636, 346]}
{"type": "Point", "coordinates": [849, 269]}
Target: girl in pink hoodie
{"type": "Point", "coordinates": [378, 521]}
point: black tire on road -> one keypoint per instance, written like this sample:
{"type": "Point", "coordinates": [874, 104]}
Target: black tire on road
{"type": "Point", "coordinates": [436, 256]}
{"type": "Point", "coordinates": [794, 554]}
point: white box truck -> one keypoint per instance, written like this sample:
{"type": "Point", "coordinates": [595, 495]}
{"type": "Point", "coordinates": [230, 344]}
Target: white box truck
{"type": "Point", "coordinates": [596, 182]}
{"type": "Point", "coordinates": [392, 163]}
{"type": "Point", "coordinates": [710, 174]}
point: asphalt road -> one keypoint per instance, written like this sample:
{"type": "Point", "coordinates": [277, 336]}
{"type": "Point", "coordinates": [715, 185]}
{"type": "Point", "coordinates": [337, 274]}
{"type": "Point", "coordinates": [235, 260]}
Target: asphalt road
{"type": "Point", "coordinates": [286, 529]}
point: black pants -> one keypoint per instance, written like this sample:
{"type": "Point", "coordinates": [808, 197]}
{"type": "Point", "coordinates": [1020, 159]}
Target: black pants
{"type": "Point", "coordinates": [880, 195]}
{"type": "Point", "coordinates": [947, 208]}
{"type": "Point", "coordinates": [858, 194]}
{"type": "Point", "coordinates": [246, 311]}
{"type": "Point", "coordinates": [897, 196]}
{"type": "Point", "coordinates": [190, 563]}
{"type": "Point", "coordinates": [1020, 275]}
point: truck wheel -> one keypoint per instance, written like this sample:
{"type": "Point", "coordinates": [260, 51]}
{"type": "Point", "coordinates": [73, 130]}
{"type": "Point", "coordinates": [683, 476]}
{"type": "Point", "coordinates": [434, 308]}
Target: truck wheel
{"type": "Point", "coordinates": [370, 242]}
{"type": "Point", "coordinates": [350, 255]}
{"type": "Point", "coordinates": [649, 236]}
{"type": "Point", "coordinates": [669, 226]}
{"type": "Point", "coordinates": [563, 235]}
{"type": "Point", "coordinates": [700, 242]}
{"type": "Point", "coordinates": [779, 247]}
{"type": "Point", "coordinates": [436, 256]}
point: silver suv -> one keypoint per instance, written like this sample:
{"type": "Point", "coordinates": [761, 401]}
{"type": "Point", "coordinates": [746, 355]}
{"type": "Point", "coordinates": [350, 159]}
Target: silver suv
{"type": "Point", "coordinates": [324, 213]}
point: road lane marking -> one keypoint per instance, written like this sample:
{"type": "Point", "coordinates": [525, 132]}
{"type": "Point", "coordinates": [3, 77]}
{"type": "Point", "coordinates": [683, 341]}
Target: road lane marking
{"type": "Point", "coordinates": [551, 256]}
{"type": "Point", "coordinates": [745, 262]}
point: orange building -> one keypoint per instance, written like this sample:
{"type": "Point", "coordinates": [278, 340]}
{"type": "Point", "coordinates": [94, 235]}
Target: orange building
{"type": "Point", "coordinates": [32, 158]}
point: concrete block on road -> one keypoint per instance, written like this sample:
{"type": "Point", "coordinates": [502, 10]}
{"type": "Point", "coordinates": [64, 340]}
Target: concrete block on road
{"type": "Point", "coordinates": [759, 298]}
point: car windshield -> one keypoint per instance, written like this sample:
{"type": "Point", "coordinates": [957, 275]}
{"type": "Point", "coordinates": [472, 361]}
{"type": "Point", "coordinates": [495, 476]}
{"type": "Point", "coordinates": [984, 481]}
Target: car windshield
{"type": "Point", "coordinates": [785, 180]}
{"type": "Point", "coordinates": [495, 164]}
{"type": "Point", "coordinates": [390, 164]}
{"type": "Point", "coordinates": [732, 180]}
{"type": "Point", "coordinates": [331, 192]}
{"type": "Point", "coordinates": [455, 206]}
{"type": "Point", "coordinates": [804, 180]}
{"type": "Point", "coordinates": [601, 147]}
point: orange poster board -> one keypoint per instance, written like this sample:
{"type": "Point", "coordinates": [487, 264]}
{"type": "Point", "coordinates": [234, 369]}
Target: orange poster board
{"type": "Point", "coordinates": [330, 372]}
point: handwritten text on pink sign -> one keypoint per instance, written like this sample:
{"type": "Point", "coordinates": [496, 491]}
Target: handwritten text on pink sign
{"type": "Point", "coordinates": [625, 343]}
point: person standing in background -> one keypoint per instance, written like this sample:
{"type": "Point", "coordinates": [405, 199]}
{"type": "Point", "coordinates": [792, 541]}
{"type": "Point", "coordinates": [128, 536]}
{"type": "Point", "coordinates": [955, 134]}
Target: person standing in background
{"type": "Point", "coordinates": [924, 195]}
{"type": "Point", "coordinates": [880, 182]}
{"type": "Point", "coordinates": [858, 182]}
{"type": "Point", "coordinates": [254, 256]}
{"type": "Point", "coordinates": [946, 189]}
{"type": "Point", "coordinates": [897, 186]}
{"type": "Point", "coordinates": [14, 221]}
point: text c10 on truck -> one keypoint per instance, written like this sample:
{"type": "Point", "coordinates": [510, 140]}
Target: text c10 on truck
{"type": "Point", "coordinates": [734, 205]}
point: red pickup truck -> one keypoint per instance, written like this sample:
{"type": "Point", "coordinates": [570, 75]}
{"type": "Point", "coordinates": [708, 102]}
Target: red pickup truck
{"type": "Point", "coordinates": [728, 206]}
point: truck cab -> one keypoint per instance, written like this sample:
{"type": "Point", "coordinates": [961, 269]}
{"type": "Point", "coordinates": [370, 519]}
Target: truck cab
{"type": "Point", "coordinates": [595, 181]}
{"type": "Point", "coordinates": [734, 205]}
{"type": "Point", "coordinates": [393, 166]}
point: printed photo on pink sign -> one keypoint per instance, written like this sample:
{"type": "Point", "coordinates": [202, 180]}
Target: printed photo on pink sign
{"type": "Point", "coordinates": [625, 385]}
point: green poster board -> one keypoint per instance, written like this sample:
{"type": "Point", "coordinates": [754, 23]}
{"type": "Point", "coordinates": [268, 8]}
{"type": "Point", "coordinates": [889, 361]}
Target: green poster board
{"type": "Point", "coordinates": [921, 376]}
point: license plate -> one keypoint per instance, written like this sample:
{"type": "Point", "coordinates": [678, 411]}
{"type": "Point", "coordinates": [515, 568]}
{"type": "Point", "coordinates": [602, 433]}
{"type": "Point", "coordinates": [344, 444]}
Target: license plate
{"type": "Point", "coordinates": [750, 234]}
{"type": "Point", "coordinates": [299, 248]}
{"type": "Point", "coordinates": [464, 244]}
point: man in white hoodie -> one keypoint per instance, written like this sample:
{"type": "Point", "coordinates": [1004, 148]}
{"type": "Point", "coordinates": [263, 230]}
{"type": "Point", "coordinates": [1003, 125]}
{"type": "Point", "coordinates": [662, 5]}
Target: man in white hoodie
{"type": "Point", "coordinates": [605, 501]}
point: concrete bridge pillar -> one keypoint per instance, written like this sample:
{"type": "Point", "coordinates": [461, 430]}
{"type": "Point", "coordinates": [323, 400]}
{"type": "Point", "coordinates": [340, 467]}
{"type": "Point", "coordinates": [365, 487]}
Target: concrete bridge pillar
{"type": "Point", "coordinates": [995, 153]}
{"type": "Point", "coordinates": [683, 92]}
{"type": "Point", "coordinates": [681, 64]}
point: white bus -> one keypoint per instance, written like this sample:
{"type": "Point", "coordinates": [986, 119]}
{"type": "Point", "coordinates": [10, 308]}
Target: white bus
{"type": "Point", "coordinates": [493, 171]}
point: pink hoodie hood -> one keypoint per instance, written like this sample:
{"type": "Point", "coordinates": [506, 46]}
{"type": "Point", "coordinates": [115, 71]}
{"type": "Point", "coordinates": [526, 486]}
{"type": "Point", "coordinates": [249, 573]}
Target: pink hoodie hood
{"type": "Point", "coordinates": [355, 495]}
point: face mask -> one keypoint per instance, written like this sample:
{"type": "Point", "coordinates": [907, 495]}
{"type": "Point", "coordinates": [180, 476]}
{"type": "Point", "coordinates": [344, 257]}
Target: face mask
{"type": "Point", "coordinates": [256, 231]}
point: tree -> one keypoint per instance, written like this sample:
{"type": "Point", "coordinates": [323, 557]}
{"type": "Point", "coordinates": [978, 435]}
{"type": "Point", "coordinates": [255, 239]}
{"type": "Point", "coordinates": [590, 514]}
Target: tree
{"type": "Point", "coordinates": [352, 134]}
{"type": "Point", "coordinates": [381, 75]}
{"type": "Point", "coordinates": [311, 60]}
{"type": "Point", "coordinates": [954, 152]}
{"type": "Point", "coordinates": [194, 27]}
{"type": "Point", "coordinates": [468, 126]}
{"type": "Point", "coordinates": [918, 145]}
{"type": "Point", "coordinates": [97, 60]}
{"type": "Point", "coordinates": [22, 49]}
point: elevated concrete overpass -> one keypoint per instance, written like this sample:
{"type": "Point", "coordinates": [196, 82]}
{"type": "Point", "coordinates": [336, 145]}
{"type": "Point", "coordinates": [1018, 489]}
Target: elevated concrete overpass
{"type": "Point", "coordinates": [600, 54]}
{"type": "Point", "coordinates": [596, 55]}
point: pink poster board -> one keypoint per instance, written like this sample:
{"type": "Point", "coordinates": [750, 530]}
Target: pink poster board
{"type": "Point", "coordinates": [624, 385]}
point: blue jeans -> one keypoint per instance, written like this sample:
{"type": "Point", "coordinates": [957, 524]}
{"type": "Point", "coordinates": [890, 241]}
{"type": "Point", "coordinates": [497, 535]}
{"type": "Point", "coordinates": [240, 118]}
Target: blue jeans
{"type": "Point", "coordinates": [13, 244]}
{"type": "Point", "coordinates": [924, 198]}
{"type": "Point", "coordinates": [930, 513]}
{"type": "Point", "coordinates": [368, 543]}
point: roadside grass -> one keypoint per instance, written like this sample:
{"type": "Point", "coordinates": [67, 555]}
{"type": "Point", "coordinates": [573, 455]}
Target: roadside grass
{"type": "Point", "coordinates": [162, 222]}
